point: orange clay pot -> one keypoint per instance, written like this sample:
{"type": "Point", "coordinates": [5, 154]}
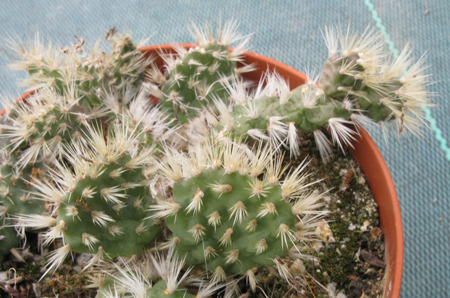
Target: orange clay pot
{"type": "Point", "coordinates": [366, 154]}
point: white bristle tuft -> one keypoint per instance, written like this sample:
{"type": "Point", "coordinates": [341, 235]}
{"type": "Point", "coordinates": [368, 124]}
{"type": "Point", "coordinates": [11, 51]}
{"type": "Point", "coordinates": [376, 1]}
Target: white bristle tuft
{"type": "Point", "coordinates": [210, 252]}
{"type": "Point", "coordinates": [214, 219]}
{"type": "Point", "coordinates": [225, 240]}
{"type": "Point", "coordinates": [341, 134]}
{"type": "Point", "coordinates": [221, 188]}
{"type": "Point", "coordinates": [295, 182]}
{"type": "Point", "coordinates": [259, 188]}
{"type": "Point", "coordinates": [260, 160]}
{"type": "Point", "coordinates": [163, 209]}
{"type": "Point", "coordinates": [251, 226]}
{"type": "Point", "coordinates": [196, 203]}
{"type": "Point", "coordinates": [251, 279]}
{"type": "Point", "coordinates": [274, 169]}
{"type": "Point", "coordinates": [283, 269]}
{"type": "Point", "coordinates": [141, 228]}
{"type": "Point", "coordinates": [100, 218]}
{"type": "Point", "coordinates": [112, 194]}
{"type": "Point", "coordinates": [278, 130]}
{"type": "Point", "coordinates": [233, 157]}
{"type": "Point", "coordinates": [239, 212]}
{"type": "Point", "coordinates": [89, 240]}
{"type": "Point", "coordinates": [218, 276]}
{"type": "Point", "coordinates": [308, 203]}
{"type": "Point", "coordinates": [261, 246]}
{"type": "Point", "coordinates": [232, 257]}
{"type": "Point", "coordinates": [285, 233]}
{"type": "Point", "coordinates": [34, 221]}
{"type": "Point", "coordinates": [323, 144]}
{"type": "Point", "coordinates": [88, 192]}
{"type": "Point", "coordinates": [197, 231]}
{"type": "Point", "coordinates": [98, 257]}
{"type": "Point", "coordinates": [331, 40]}
{"type": "Point", "coordinates": [54, 233]}
{"type": "Point", "coordinates": [56, 258]}
{"type": "Point", "coordinates": [267, 208]}
{"type": "Point", "coordinates": [115, 230]}
{"type": "Point", "coordinates": [293, 140]}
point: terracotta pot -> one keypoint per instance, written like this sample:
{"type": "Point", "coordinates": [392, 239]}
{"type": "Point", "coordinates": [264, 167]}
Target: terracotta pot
{"type": "Point", "coordinates": [366, 154]}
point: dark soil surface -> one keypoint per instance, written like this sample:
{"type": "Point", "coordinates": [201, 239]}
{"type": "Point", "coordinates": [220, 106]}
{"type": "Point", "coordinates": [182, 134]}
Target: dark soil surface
{"type": "Point", "coordinates": [351, 263]}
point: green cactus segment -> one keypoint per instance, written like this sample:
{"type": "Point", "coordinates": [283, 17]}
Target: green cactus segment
{"type": "Point", "coordinates": [344, 78]}
{"type": "Point", "coordinates": [8, 240]}
{"type": "Point", "coordinates": [335, 82]}
{"type": "Point", "coordinates": [159, 290]}
{"type": "Point", "coordinates": [15, 187]}
{"type": "Point", "coordinates": [232, 241]}
{"type": "Point", "coordinates": [196, 80]}
{"type": "Point", "coordinates": [58, 127]}
{"type": "Point", "coordinates": [93, 74]}
{"type": "Point", "coordinates": [379, 106]}
{"type": "Point", "coordinates": [124, 67]}
{"type": "Point", "coordinates": [266, 117]}
{"type": "Point", "coordinates": [109, 211]}
{"type": "Point", "coordinates": [44, 126]}
{"type": "Point", "coordinates": [383, 89]}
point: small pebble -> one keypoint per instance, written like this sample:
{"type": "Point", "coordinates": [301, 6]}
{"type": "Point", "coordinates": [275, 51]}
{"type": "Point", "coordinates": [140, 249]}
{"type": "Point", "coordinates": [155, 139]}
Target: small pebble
{"type": "Point", "coordinates": [365, 225]}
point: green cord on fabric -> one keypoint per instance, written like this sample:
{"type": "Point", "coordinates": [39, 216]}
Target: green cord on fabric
{"type": "Point", "coordinates": [437, 132]}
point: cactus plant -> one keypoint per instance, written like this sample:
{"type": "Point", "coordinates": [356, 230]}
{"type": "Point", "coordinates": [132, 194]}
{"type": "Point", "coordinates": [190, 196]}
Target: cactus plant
{"type": "Point", "coordinates": [358, 85]}
{"type": "Point", "coordinates": [101, 196]}
{"type": "Point", "coordinates": [196, 76]}
{"type": "Point", "coordinates": [226, 219]}
{"type": "Point", "coordinates": [154, 274]}
{"type": "Point", "coordinates": [225, 208]}
{"type": "Point", "coordinates": [44, 124]}
{"type": "Point", "coordinates": [94, 73]}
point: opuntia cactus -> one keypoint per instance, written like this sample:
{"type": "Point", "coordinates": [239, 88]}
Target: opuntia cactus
{"type": "Point", "coordinates": [157, 275]}
{"type": "Point", "coordinates": [225, 208]}
{"type": "Point", "coordinates": [224, 217]}
{"type": "Point", "coordinates": [102, 198]}
{"type": "Point", "coordinates": [94, 73]}
{"type": "Point", "coordinates": [360, 86]}
{"type": "Point", "coordinates": [196, 76]}
{"type": "Point", "coordinates": [360, 71]}
{"type": "Point", "coordinates": [44, 123]}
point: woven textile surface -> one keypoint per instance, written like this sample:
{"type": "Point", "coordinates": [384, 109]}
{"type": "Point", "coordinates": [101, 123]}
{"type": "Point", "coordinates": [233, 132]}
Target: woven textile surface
{"type": "Point", "coordinates": [289, 31]}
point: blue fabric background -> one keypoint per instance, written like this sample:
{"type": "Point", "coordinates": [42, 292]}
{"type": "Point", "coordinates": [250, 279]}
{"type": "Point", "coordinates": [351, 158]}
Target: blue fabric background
{"type": "Point", "coordinates": [289, 31]}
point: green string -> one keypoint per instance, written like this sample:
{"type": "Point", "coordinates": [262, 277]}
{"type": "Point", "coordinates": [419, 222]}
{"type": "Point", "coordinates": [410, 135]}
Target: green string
{"type": "Point", "coordinates": [437, 132]}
